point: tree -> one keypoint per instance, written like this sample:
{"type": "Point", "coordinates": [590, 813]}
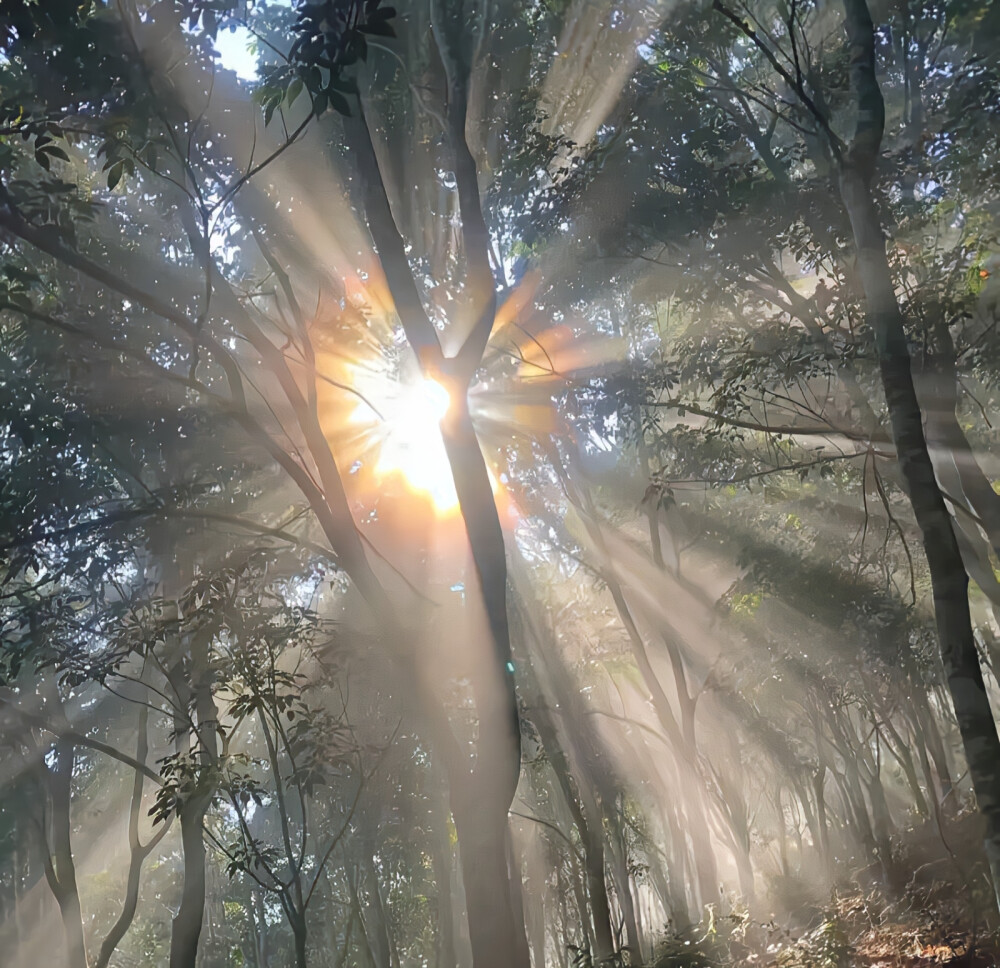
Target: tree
{"type": "Point", "coordinates": [296, 367]}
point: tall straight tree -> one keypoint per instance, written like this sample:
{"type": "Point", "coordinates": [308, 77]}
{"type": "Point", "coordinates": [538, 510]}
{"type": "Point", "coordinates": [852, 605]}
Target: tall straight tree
{"type": "Point", "coordinates": [855, 163]}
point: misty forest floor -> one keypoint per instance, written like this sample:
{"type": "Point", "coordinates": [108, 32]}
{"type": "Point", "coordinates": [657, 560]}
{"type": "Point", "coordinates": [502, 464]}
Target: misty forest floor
{"type": "Point", "coordinates": [943, 914]}
{"type": "Point", "coordinates": [857, 931]}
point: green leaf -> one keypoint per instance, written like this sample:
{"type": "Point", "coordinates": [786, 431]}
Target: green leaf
{"type": "Point", "coordinates": [339, 103]}
{"type": "Point", "coordinates": [115, 174]}
{"type": "Point", "coordinates": [294, 90]}
{"type": "Point", "coordinates": [56, 152]}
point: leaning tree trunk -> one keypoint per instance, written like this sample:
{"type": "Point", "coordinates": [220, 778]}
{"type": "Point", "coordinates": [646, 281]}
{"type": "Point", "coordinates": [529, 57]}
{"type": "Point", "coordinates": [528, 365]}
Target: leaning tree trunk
{"type": "Point", "coordinates": [949, 580]}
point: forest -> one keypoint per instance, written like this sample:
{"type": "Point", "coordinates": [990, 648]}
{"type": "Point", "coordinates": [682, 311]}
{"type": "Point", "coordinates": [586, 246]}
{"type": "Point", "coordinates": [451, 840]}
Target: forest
{"type": "Point", "coordinates": [499, 483]}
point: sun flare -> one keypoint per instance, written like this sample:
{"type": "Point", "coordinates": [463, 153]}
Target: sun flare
{"type": "Point", "coordinates": [410, 444]}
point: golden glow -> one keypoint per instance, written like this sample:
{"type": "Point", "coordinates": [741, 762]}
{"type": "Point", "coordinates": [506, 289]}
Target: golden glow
{"type": "Point", "coordinates": [410, 444]}
{"type": "Point", "coordinates": [435, 396]}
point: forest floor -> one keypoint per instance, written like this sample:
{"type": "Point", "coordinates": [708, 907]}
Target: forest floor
{"type": "Point", "coordinates": [858, 930]}
{"type": "Point", "coordinates": [943, 913]}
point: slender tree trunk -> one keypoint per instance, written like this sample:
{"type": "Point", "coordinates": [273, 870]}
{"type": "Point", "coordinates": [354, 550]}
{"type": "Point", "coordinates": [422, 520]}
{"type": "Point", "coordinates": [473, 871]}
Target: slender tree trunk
{"type": "Point", "coordinates": [560, 927]}
{"type": "Point", "coordinates": [819, 793]}
{"type": "Point", "coordinates": [365, 945]}
{"type": "Point", "coordinates": [674, 881]}
{"type": "Point", "coordinates": [185, 929]}
{"type": "Point", "coordinates": [583, 912]}
{"type": "Point", "coordinates": [121, 926]}
{"type": "Point", "coordinates": [882, 825]}
{"type": "Point", "coordinates": [299, 937]}
{"type": "Point", "coordinates": [375, 923]}
{"type": "Point", "coordinates": [537, 871]}
{"type": "Point", "coordinates": [901, 751]}
{"type": "Point", "coordinates": [261, 937]}
{"type": "Point", "coordinates": [441, 860]}
{"type": "Point", "coordinates": [346, 947]}
{"type": "Point", "coordinates": [949, 580]}
{"type": "Point", "coordinates": [652, 503]}
{"type": "Point", "coordinates": [62, 872]}
{"type": "Point", "coordinates": [137, 851]}
{"type": "Point", "coordinates": [587, 818]}
{"type": "Point", "coordinates": [517, 899]}
{"type": "Point", "coordinates": [481, 798]}
{"type": "Point", "coordinates": [928, 726]}
{"type": "Point", "coordinates": [626, 901]}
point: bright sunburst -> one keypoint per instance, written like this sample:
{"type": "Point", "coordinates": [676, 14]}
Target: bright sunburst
{"type": "Point", "coordinates": [411, 444]}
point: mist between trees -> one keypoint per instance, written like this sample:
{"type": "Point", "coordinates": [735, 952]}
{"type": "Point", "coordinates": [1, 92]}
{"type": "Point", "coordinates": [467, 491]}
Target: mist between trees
{"type": "Point", "coordinates": [499, 484]}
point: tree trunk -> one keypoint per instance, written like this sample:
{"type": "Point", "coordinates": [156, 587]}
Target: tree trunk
{"type": "Point", "coordinates": [365, 946]}
{"type": "Point", "coordinates": [185, 930]}
{"type": "Point", "coordinates": [441, 859]}
{"type": "Point", "coordinates": [537, 877]}
{"type": "Point", "coordinates": [137, 851]}
{"type": "Point", "coordinates": [481, 799]}
{"type": "Point", "coordinates": [261, 938]}
{"type": "Point", "coordinates": [481, 823]}
{"type": "Point", "coordinates": [949, 580]}
{"type": "Point", "coordinates": [299, 937]}
{"type": "Point", "coordinates": [64, 884]}
{"type": "Point", "coordinates": [928, 726]}
{"type": "Point", "coordinates": [515, 877]}
{"type": "Point", "coordinates": [375, 923]}
{"type": "Point", "coordinates": [587, 818]}
{"type": "Point", "coordinates": [626, 902]}
{"type": "Point", "coordinates": [477, 795]}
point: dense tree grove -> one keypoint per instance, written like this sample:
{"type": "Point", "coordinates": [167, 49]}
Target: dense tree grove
{"type": "Point", "coordinates": [499, 483]}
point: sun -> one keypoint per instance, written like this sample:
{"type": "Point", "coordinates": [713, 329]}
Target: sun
{"type": "Point", "coordinates": [409, 443]}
